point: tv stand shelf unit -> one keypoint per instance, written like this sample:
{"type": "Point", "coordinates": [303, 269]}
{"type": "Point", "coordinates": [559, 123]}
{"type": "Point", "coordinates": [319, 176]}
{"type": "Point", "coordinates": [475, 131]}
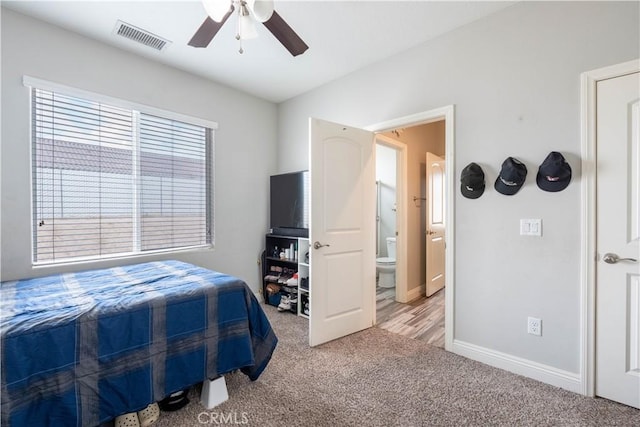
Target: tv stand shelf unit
{"type": "Point", "coordinates": [279, 268]}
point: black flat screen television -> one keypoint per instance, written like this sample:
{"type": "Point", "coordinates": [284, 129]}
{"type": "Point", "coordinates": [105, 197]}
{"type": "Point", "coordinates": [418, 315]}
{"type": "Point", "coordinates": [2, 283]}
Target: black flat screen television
{"type": "Point", "coordinates": [290, 204]}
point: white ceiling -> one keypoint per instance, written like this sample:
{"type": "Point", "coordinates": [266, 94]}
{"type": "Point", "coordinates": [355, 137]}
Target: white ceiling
{"type": "Point", "coordinates": [343, 36]}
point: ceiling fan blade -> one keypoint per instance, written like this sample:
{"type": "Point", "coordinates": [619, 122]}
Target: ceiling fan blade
{"type": "Point", "coordinates": [208, 30]}
{"type": "Point", "coordinates": [285, 34]}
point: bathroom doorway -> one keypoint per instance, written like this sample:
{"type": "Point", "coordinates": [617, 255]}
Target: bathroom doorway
{"type": "Point", "coordinates": [391, 265]}
{"type": "Point", "coordinates": [406, 147]}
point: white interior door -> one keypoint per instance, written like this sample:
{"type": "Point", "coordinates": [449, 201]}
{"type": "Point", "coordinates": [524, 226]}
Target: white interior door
{"type": "Point", "coordinates": [435, 237]}
{"type": "Point", "coordinates": [618, 224]}
{"type": "Point", "coordinates": [342, 231]}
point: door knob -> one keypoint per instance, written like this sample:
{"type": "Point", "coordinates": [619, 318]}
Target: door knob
{"type": "Point", "coordinates": [610, 258]}
{"type": "Point", "coordinates": [429, 232]}
{"type": "Point", "coordinates": [318, 245]}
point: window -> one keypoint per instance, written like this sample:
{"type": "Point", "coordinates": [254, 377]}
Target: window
{"type": "Point", "coordinates": [111, 181]}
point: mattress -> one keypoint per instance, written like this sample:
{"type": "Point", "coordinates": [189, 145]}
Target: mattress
{"type": "Point", "coordinates": [79, 349]}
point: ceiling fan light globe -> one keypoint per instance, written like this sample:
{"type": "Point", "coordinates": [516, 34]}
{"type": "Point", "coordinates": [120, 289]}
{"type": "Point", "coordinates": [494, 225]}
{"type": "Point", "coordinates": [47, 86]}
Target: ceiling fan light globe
{"type": "Point", "coordinates": [246, 27]}
{"type": "Point", "coordinates": [261, 9]}
{"type": "Point", "coordinates": [216, 9]}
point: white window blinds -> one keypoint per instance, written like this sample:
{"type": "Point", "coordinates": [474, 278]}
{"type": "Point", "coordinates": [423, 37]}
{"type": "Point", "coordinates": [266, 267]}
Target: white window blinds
{"type": "Point", "coordinates": [110, 181]}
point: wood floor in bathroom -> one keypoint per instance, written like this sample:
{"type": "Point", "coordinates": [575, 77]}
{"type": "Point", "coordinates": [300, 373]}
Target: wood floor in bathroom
{"type": "Point", "coordinates": [422, 319]}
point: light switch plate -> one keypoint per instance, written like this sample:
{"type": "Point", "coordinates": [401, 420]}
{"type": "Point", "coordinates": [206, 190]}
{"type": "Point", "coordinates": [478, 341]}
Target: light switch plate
{"type": "Point", "coordinates": [531, 227]}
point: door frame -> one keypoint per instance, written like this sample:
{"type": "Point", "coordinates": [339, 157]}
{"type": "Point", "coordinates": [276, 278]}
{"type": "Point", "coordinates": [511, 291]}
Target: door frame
{"type": "Point", "coordinates": [401, 214]}
{"type": "Point", "coordinates": [446, 113]}
{"type": "Point", "coordinates": [589, 253]}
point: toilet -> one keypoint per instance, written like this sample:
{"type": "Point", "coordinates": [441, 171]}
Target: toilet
{"type": "Point", "coordinates": [386, 266]}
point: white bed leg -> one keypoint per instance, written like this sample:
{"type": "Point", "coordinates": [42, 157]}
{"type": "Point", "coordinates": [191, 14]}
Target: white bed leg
{"type": "Point", "coordinates": [214, 392]}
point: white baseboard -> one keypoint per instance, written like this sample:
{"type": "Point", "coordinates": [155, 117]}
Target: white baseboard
{"type": "Point", "coordinates": [537, 371]}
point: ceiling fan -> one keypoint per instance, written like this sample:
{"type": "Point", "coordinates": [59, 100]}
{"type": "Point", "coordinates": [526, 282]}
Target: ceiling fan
{"type": "Point", "coordinates": [248, 11]}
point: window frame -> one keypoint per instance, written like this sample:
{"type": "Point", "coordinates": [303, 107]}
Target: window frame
{"type": "Point", "coordinates": [33, 83]}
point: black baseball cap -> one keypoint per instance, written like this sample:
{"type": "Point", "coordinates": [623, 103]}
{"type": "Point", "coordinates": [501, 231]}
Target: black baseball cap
{"type": "Point", "coordinates": [472, 181]}
{"type": "Point", "coordinates": [512, 176]}
{"type": "Point", "coordinates": [554, 174]}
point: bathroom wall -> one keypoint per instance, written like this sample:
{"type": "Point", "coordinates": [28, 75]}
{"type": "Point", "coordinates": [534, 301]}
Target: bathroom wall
{"type": "Point", "coordinates": [386, 177]}
{"type": "Point", "coordinates": [420, 140]}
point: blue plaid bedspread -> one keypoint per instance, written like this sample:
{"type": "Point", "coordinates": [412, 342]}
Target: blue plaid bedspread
{"type": "Point", "coordinates": [81, 348]}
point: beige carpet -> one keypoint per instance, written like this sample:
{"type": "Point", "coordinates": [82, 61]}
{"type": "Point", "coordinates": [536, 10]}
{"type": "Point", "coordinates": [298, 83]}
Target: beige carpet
{"type": "Point", "coordinates": [377, 378]}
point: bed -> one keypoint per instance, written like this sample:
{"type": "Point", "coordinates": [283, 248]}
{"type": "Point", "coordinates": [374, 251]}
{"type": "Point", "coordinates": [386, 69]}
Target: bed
{"type": "Point", "coordinates": [79, 349]}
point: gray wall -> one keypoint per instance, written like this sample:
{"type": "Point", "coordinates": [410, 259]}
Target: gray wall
{"type": "Point", "coordinates": [245, 156]}
{"type": "Point", "coordinates": [514, 78]}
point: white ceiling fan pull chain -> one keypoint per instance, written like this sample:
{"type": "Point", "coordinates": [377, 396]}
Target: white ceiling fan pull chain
{"type": "Point", "coordinates": [238, 37]}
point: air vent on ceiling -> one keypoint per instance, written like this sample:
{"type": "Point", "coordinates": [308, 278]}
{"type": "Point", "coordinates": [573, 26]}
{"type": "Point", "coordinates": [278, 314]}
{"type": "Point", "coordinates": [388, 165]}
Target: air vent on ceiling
{"type": "Point", "coordinates": [141, 36]}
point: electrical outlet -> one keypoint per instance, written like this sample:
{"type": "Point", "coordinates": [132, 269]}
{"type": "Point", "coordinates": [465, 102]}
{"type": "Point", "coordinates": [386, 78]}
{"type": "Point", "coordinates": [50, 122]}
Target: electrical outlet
{"type": "Point", "coordinates": [534, 326]}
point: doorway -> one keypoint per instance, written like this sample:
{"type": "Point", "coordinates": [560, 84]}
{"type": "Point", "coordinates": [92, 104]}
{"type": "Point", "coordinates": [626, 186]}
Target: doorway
{"type": "Point", "coordinates": [391, 165]}
{"type": "Point", "coordinates": [342, 226]}
{"type": "Point", "coordinates": [409, 133]}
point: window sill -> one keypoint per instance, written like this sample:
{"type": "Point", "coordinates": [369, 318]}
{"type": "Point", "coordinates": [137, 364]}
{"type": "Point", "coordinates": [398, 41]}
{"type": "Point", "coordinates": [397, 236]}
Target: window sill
{"type": "Point", "coordinates": [117, 259]}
